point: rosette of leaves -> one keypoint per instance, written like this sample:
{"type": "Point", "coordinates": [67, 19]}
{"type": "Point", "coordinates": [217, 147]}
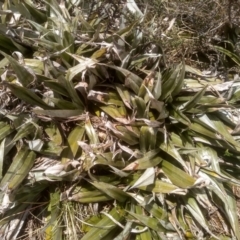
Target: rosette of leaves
{"type": "Point", "coordinates": [98, 141]}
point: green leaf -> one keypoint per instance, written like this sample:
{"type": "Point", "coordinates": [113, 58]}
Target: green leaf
{"type": "Point", "coordinates": [76, 135]}
{"type": "Point", "coordinates": [140, 106]}
{"type": "Point", "coordinates": [178, 116]}
{"type": "Point", "coordinates": [53, 230]}
{"type": "Point", "coordinates": [150, 222]}
{"type": "Point", "coordinates": [233, 56]}
{"type": "Point", "coordinates": [171, 81]}
{"type": "Point", "coordinates": [38, 16]}
{"type": "Point", "coordinates": [125, 95]}
{"type": "Point", "coordinates": [131, 80]}
{"type": "Point", "coordinates": [160, 187]}
{"type": "Point", "coordinates": [62, 104]}
{"type": "Point", "coordinates": [82, 66]}
{"type": "Point", "coordinates": [27, 95]}
{"type": "Point", "coordinates": [25, 77]}
{"type": "Point", "coordinates": [19, 169]}
{"type": "Point", "coordinates": [90, 131]}
{"type": "Point", "coordinates": [63, 113]}
{"type": "Point", "coordinates": [7, 44]}
{"type": "Point", "coordinates": [221, 129]}
{"type": "Point", "coordinates": [5, 130]}
{"type": "Point", "coordinates": [146, 179]}
{"type": "Point", "coordinates": [56, 87]}
{"type": "Point", "coordinates": [170, 149]}
{"type": "Point", "coordinates": [179, 80]}
{"type": "Point", "coordinates": [25, 130]}
{"type": "Point", "coordinates": [117, 113]}
{"type": "Point", "coordinates": [87, 194]}
{"type": "Point", "coordinates": [194, 101]}
{"type": "Point", "coordinates": [177, 176]}
{"type": "Point", "coordinates": [54, 134]}
{"type": "Point", "coordinates": [2, 145]}
{"type": "Point", "coordinates": [150, 159]}
{"type": "Point", "coordinates": [203, 130]}
{"type": "Point", "coordinates": [103, 227]}
{"type": "Point", "coordinates": [232, 212]}
{"type": "Point", "coordinates": [74, 95]}
{"type": "Point", "coordinates": [146, 235]}
{"type": "Point", "coordinates": [194, 209]}
{"type": "Point", "coordinates": [110, 190]}
{"type": "Point", "coordinates": [151, 207]}
{"type": "Point", "coordinates": [157, 90]}
{"type": "Point", "coordinates": [148, 138]}
{"type": "Point", "coordinates": [51, 149]}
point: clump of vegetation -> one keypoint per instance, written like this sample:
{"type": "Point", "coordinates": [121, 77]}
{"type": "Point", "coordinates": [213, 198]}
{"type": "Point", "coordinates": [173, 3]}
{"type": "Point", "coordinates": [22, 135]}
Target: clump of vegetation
{"type": "Point", "coordinates": [117, 122]}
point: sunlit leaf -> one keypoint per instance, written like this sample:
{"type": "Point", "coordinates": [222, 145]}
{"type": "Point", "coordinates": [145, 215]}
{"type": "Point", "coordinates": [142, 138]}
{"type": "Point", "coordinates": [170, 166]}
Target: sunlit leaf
{"type": "Point", "coordinates": [146, 179]}
{"type": "Point", "coordinates": [104, 226]}
{"type": "Point", "coordinates": [111, 191]}
{"type": "Point", "coordinates": [150, 159]}
{"type": "Point", "coordinates": [177, 176]}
